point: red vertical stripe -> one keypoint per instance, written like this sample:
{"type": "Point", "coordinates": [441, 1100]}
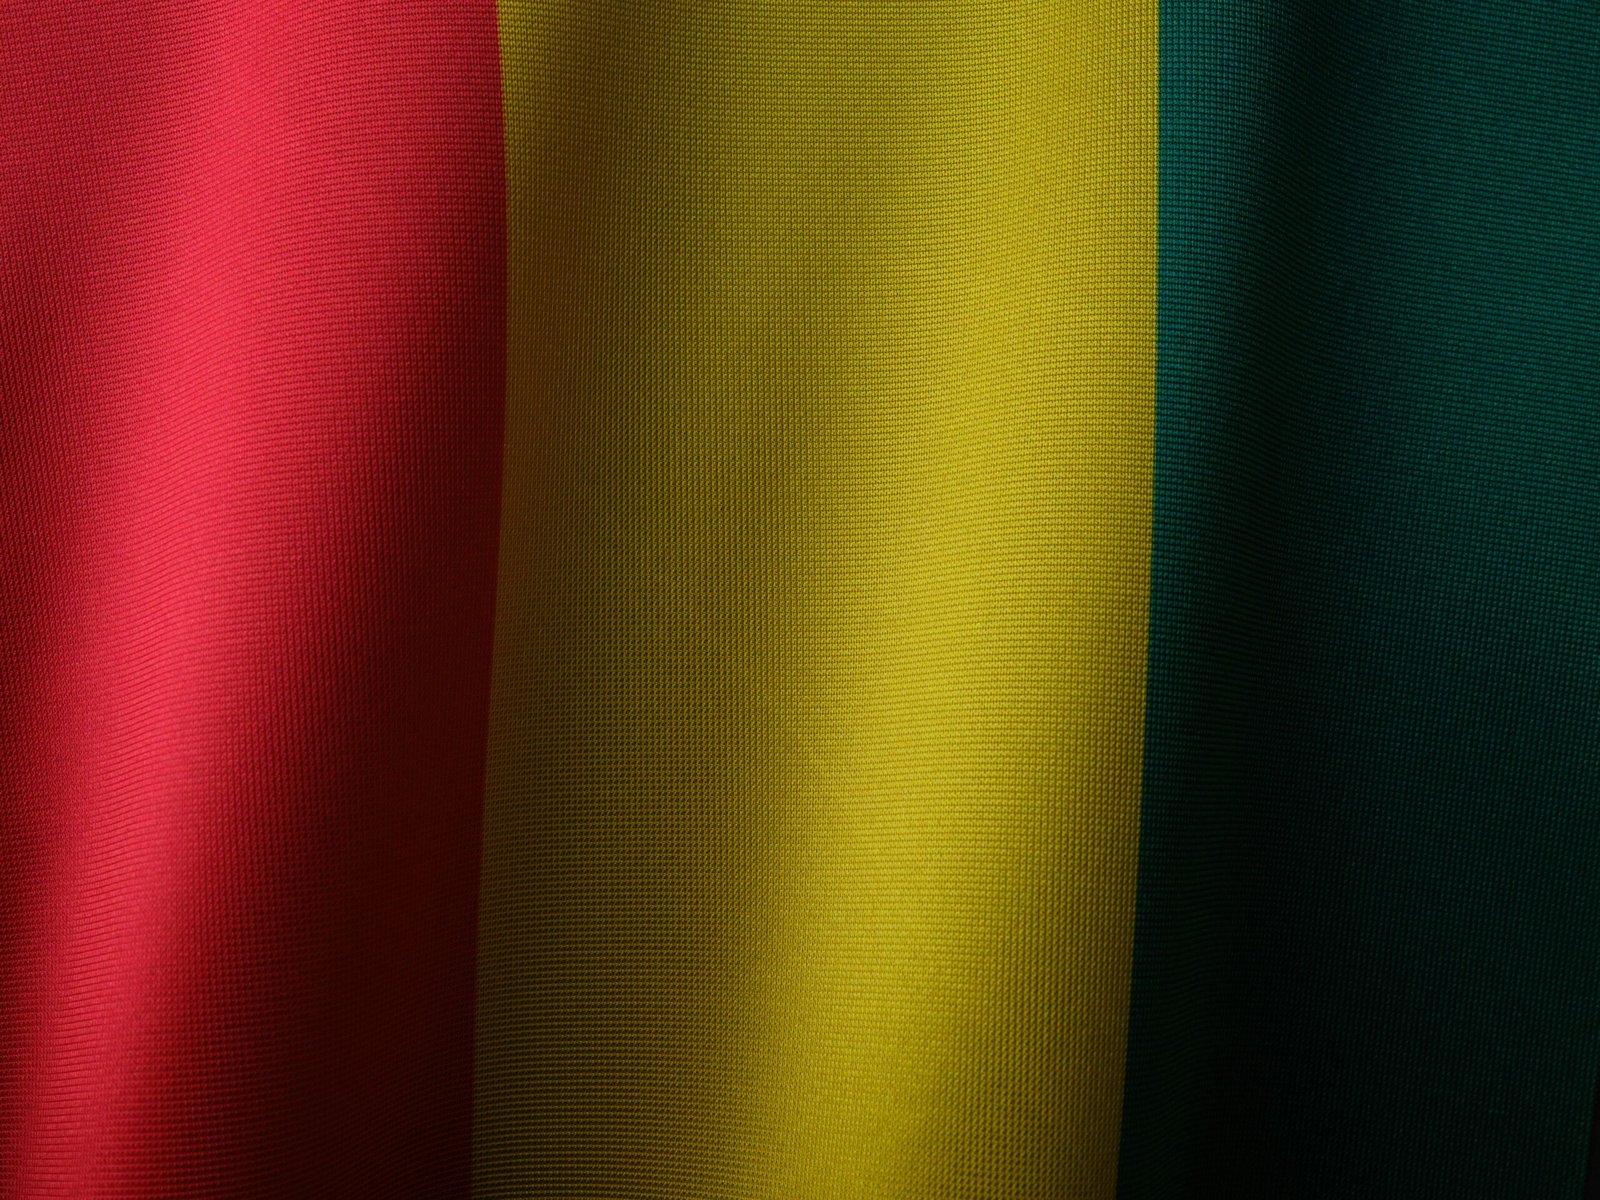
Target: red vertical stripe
{"type": "Point", "coordinates": [251, 379]}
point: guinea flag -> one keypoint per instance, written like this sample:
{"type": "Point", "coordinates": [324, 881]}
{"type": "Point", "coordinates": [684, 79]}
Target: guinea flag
{"type": "Point", "coordinates": [799, 599]}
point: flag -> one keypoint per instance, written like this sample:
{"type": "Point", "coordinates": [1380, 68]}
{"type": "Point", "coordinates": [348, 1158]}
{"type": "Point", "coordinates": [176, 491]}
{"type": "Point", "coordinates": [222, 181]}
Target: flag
{"type": "Point", "coordinates": [799, 600]}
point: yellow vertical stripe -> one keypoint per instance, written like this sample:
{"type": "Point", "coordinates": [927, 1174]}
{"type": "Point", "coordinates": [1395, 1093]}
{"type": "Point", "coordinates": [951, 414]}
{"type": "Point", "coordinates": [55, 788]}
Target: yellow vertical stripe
{"type": "Point", "coordinates": [815, 746]}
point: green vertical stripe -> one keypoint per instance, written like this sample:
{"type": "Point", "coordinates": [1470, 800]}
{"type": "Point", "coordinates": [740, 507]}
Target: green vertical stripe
{"type": "Point", "coordinates": [1368, 950]}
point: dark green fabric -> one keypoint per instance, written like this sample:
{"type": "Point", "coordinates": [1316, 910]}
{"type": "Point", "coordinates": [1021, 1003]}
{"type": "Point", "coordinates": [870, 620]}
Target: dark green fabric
{"type": "Point", "coordinates": [1367, 955]}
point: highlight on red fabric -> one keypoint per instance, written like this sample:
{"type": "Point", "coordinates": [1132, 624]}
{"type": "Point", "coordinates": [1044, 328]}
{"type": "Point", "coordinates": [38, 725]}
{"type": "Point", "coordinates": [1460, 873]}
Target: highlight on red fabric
{"type": "Point", "coordinates": [252, 291]}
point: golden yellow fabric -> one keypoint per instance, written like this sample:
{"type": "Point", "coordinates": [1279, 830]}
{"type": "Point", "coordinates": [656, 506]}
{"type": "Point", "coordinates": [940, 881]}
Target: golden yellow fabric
{"type": "Point", "coordinates": [815, 745]}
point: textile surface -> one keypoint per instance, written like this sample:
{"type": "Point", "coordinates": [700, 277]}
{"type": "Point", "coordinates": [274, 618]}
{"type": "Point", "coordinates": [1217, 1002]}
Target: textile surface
{"type": "Point", "coordinates": [799, 600]}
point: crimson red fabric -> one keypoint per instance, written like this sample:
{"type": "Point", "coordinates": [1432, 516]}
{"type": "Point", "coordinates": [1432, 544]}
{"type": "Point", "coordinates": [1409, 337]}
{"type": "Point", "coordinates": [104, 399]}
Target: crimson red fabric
{"type": "Point", "coordinates": [252, 292]}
